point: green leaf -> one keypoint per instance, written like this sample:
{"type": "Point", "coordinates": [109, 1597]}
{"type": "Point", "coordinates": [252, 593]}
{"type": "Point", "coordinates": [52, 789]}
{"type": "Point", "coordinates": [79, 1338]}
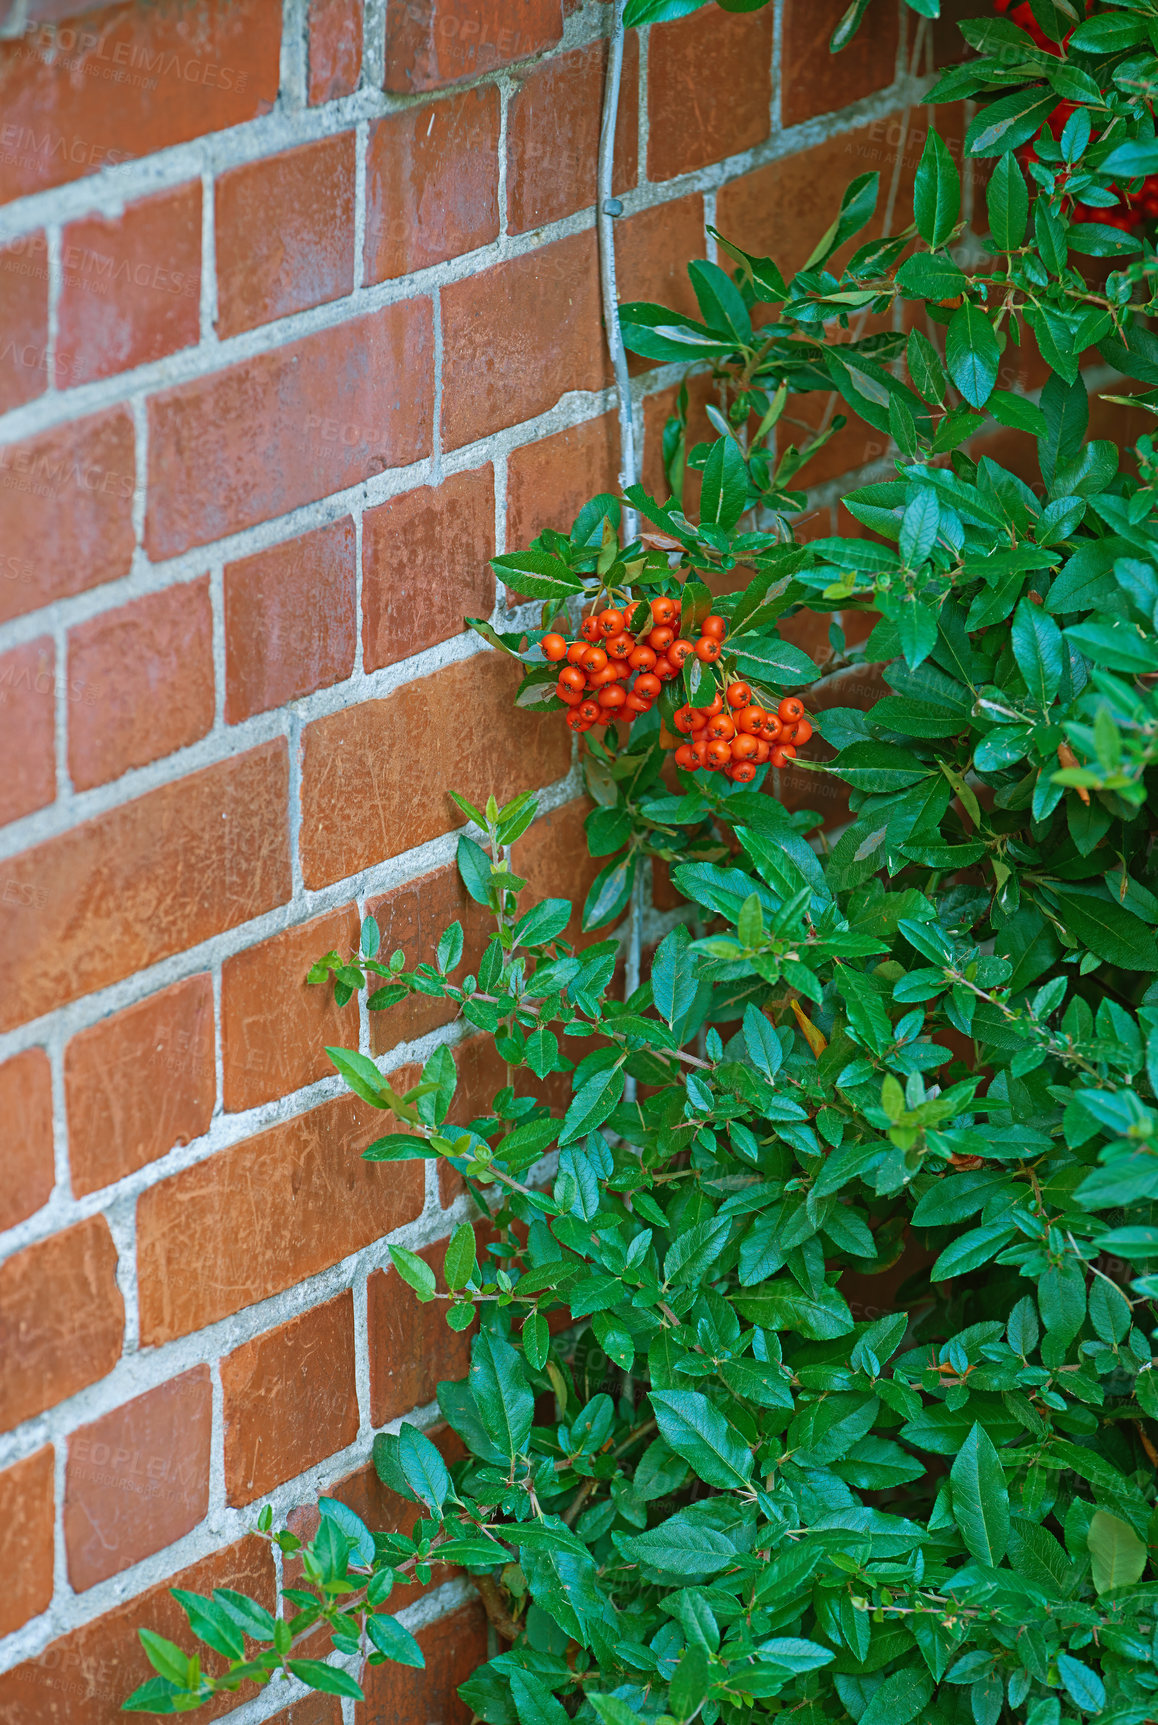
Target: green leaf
{"type": "Point", "coordinates": [543, 922]}
{"type": "Point", "coordinates": [1107, 928]}
{"type": "Point", "coordinates": [972, 353]}
{"type": "Point", "coordinates": [414, 1270]}
{"type": "Point", "coordinates": [1037, 648]}
{"type": "Point", "coordinates": [936, 192]}
{"type": "Point", "coordinates": [1083, 1686]}
{"type": "Point", "coordinates": [210, 1623]}
{"type": "Point", "coordinates": [1118, 1555]}
{"type": "Point", "coordinates": [591, 1104]}
{"type": "Point", "coordinates": [1006, 124]}
{"type": "Point", "coordinates": [538, 574]}
{"type": "Point", "coordinates": [330, 1679]}
{"type": "Point", "coordinates": [394, 1640]}
{"type": "Point", "coordinates": [502, 1395]}
{"type": "Point", "coordinates": [610, 891]}
{"type": "Point", "coordinates": [683, 1547]}
{"type": "Point", "coordinates": [1007, 201]}
{"type": "Point", "coordinates": [534, 1703]}
{"type": "Point", "coordinates": [926, 276]}
{"type": "Point", "coordinates": [980, 1498]}
{"type": "Point", "coordinates": [857, 207]}
{"type": "Point", "coordinates": [724, 495]}
{"type": "Point", "coordinates": [355, 1531]}
{"type": "Point", "coordinates": [970, 1250]}
{"type": "Point", "coordinates": [165, 1657]}
{"type": "Point", "coordinates": [784, 1306]}
{"type": "Point", "coordinates": [536, 1340]}
{"type": "Point", "coordinates": [689, 1683]}
{"type": "Point", "coordinates": [155, 1696]}
{"type": "Point", "coordinates": [903, 1696]}
{"type": "Point", "coordinates": [697, 1431]}
{"type": "Point", "coordinates": [360, 1074]}
{"type": "Point", "coordinates": [474, 865]}
{"type": "Point", "coordinates": [450, 948]}
{"type": "Point", "coordinates": [639, 12]}
{"type": "Point", "coordinates": [461, 1258]}
{"type": "Point", "coordinates": [424, 1468]}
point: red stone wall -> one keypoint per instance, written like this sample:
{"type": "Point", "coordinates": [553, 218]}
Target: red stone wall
{"type": "Point", "coordinates": [299, 325]}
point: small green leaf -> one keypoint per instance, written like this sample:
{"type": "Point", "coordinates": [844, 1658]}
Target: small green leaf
{"type": "Point", "coordinates": [415, 1271]}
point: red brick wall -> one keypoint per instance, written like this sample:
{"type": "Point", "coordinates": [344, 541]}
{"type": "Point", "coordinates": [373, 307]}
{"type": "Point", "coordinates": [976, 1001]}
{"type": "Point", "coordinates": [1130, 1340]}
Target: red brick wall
{"type": "Point", "coordinates": [299, 325]}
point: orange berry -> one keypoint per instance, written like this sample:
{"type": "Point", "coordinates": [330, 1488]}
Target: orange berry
{"type": "Point", "coordinates": [620, 646]}
{"type": "Point", "coordinates": [721, 726]}
{"type": "Point", "coordinates": [685, 757]}
{"type": "Point", "coordinates": [683, 721]}
{"type": "Point", "coordinates": [612, 696]}
{"type": "Point", "coordinates": [803, 731]}
{"type": "Point", "coordinates": [752, 721]}
{"type": "Point", "coordinates": [700, 750]}
{"type": "Point", "coordinates": [664, 669]}
{"type": "Point", "coordinates": [744, 748]}
{"type": "Point", "coordinates": [642, 659]}
{"type": "Point", "coordinates": [576, 651]}
{"type": "Point", "coordinates": [594, 659]}
{"type": "Point", "coordinates": [719, 753]}
{"type": "Point", "coordinates": [663, 610]}
{"type": "Point", "coordinates": [763, 750]}
{"type": "Point", "coordinates": [771, 728]}
{"type": "Point", "coordinates": [790, 709]}
{"type": "Point", "coordinates": [781, 753]}
{"type": "Point", "coordinates": [590, 630]}
{"type": "Point", "coordinates": [554, 648]}
{"type": "Point", "coordinates": [700, 717]}
{"type": "Point", "coordinates": [739, 695]}
{"type": "Point", "coordinates": [679, 651]}
{"type": "Point", "coordinates": [600, 679]}
{"type": "Point", "coordinates": [708, 649]}
{"type": "Point", "coordinates": [661, 638]}
{"type": "Point", "coordinates": [571, 697]}
{"type": "Point", "coordinates": [638, 705]}
{"type": "Point", "coordinates": [743, 772]}
{"type": "Point", "coordinates": [647, 685]}
{"type": "Point", "coordinates": [572, 678]}
{"type": "Point", "coordinates": [590, 710]}
{"type": "Point", "coordinates": [577, 722]}
{"type": "Point", "coordinates": [610, 622]}
{"type": "Point", "coordinates": [715, 627]}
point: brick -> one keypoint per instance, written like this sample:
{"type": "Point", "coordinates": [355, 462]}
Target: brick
{"type": "Point", "coordinates": [263, 1215]}
{"type": "Point", "coordinates": [375, 777]}
{"type": "Point", "coordinates": [553, 859]}
{"type": "Point", "coordinates": [653, 249]}
{"type": "Point", "coordinates": [549, 481]}
{"type": "Point", "coordinates": [482, 1072]}
{"type": "Point", "coordinates": [815, 81]}
{"type": "Point", "coordinates": [709, 89]}
{"type": "Point", "coordinates": [26, 1109]}
{"type": "Point", "coordinates": [290, 426]}
{"type": "Point", "coordinates": [131, 286]}
{"type": "Point", "coordinates": [82, 477]}
{"type": "Point", "coordinates": [61, 1319]}
{"type": "Point", "coordinates": [453, 1646]}
{"type": "Point", "coordinates": [138, 1478]}
{"type": "Point", "coordinates": [82, 1678]}
{"type": "Point", "coordinates": [413, 917]}
{"type": "Point", "coordinates": [290, 1399]}
{"type": "Point", "coordinates": [335, 49]}
{"type": "Point", "coordinates": [520, 335]}
{"type": "Point", "coordinates": [846, 450]}
{"type": "Point", "coordinates": [285, 233]}
{"type": "Point", "coordinates": [139, 1083]}
{"type": "Point", "coordinates": [275, 1027]}
{"type": "Point", "coordinates": [27, 1524]}
{"type": "Point", "coordinates": [782, 209]}
{"type": "Point", "coordinates": [152, 877]}
{"type": "Point", "coordinates": [425, 559]}
{"type": "Point", "coordinates": [291, 622]}
{"type": "Point", "coordinates": [553, 135]}
{"type": "Point", "coordinates": [24, 321]}
{"type": "Point", "coordinates": [432, 183]}
{"type": "Point", "coordinates": [430, 43]}
{"type": "Point", "coordinates": [657, 410]}
{"type": "Point", "coordinates": [411, 1346]}
{"type": "Point", "coordinates": [28, 719]}
{"type": "Point", "coordinates": [143, 680]}
{"type": "Point", "coordinates": [188, 72]}
{"type": "Point", "coordinates": [313, 1710]}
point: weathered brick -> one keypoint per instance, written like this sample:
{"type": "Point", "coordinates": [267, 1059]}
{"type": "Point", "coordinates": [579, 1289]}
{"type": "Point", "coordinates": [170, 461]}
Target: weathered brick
{"type": "Point", "coordinates": [26, 1109]}
{"type": "Point", "coordinates": [285, 233]}
{"type": "Point", "coordinates": [850, 448]}
{"type": "Point", "coordinates": [520, 335]}
{"type": "Point", "coordinates": [653, 249]}
{"type": "Point", "coordinates": [143, 681]}
{"type": "Point", "coordinates": [549, 481]}
{"type": "Point", "coordinates": [27, 1499]}
{"type": "Point", "coordinates": [335, 49]}
{"type": "Point", "coordinates": [64, 112]}
{"type": "Point", "coordinates": [28, 722]}
{"type": "Point", "coordinates": [552, 857]}
{"type": "Point", "coordinates": [152, 877]}
{"type": "Point", "coordinates": [137, 1478]}
{"type": "Point", "coordinates": [61, 1319]}
{"type": "Point", "coordinates": [453, 1646]}
{"type": "Point", "coordinates": [311, 1710]}
{"type": "Point", "coordinates": [434, 42]}
{"type": "Point", "coordinates": [131, 286]}
{"type": "Point", "coordinates": [275, 1027]}
{"type": "Point", "coordinates": [814, 81]}
{"type": "Point", "coordinates": [413, 917]}
{"type": "Point", "coordinates": [709, 89]}
{"type": "Point", "coordinates": [81, 476]}
{"type": "Point", "coordinates": [290, 1399]}
{"type": "Point", "coordinates": [411, 1346]}
{"type": "Point", "coordinates": [23, 321]}
{"type": "Point", "coordinates": [263, 1215]}
{"type": "Point", "coordinates": [432, 183]}
{"type": "Point", "coordinates": [375, 777]}
{"type": "Point", "coordinates": [289, 426]}
{"type": "Point", "coordinates": [139, 1083]}
{"type": "Point", "coordinates": [291, 622]}
{"type": "Point", "coordinates": [424, 565]}
{"type": "Point", "coordinates": [82, 1678]}
{"type": "Point", "coordinates": [553, 134]}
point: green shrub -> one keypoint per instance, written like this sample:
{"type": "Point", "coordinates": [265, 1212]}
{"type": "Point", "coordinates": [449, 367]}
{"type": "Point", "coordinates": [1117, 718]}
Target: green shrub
{"type": "Point", "coordinates": [926, 1051]}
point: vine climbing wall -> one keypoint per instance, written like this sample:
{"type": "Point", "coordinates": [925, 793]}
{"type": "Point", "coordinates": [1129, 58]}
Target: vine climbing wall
{"type": "Point", "coordinates": [299, 325]}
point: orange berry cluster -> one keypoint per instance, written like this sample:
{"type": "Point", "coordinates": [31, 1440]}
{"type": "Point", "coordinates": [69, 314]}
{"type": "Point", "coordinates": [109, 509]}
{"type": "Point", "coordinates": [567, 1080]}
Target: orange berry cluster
{"type": "Point", "coordinates": [736, 742]}
{"type": "Point", "coordinates": [597, 680]}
